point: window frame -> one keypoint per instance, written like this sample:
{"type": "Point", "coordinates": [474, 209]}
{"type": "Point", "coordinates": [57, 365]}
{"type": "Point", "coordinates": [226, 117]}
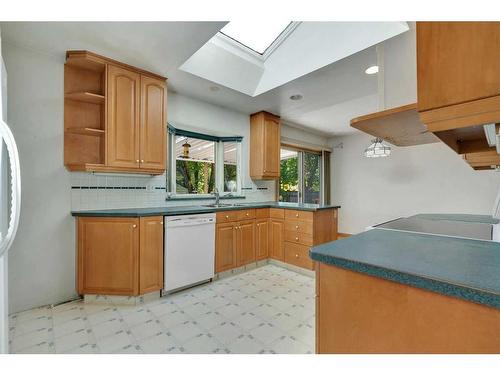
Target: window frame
{"type": "Point", "coordinates": [171, 172]}
{"type": "Point", "coordinates": [300, 166]}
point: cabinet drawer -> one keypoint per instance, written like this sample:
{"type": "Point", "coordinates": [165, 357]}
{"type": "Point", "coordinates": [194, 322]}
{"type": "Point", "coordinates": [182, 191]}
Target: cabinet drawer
{"type": "Point", "coordinates": [298, 255]}
{"type": "Point", "coordinates": [246, 214]}
{"type": "Point", "coordinates": [262, 213]}
{"type": "Point", "coordinates": [298, 226]}
{"type": "Point", "coordinates": [276, 213]}
{"type": "Point", "coordinates": [299, 215]}
{"type": "Point", "coordinates": [301, 238]}
{"type": "Point", "coordinates": [227, 216]}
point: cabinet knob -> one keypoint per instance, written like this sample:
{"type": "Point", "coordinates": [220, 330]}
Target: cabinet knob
{"type": "Point", "coordinates": [248, 214]}
{"type": "Point", "coordinates": [142, 161]}
{"type": "Point", "coordinates": [296, 227]}
{"type": "Point", "coordinates": [161, 222]}
{"type": "Point", "coordinates": [296, 215]}
{"type": "Point", "coordinates": [296, 255]}
{"type": "Point", "coordinates": [258, 224]}
{"type": "Point", "coordinates": [227, 216]}
{"type": "Point", "coordinates": [134, 226]}
{"type": "Point", "coordinates": [137, 161]}
{"type": "Point", "coordinates": [296, 238]}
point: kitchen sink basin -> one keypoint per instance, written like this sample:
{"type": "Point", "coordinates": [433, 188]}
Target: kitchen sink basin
{"type": "Point", "coordinates": [214, 205]}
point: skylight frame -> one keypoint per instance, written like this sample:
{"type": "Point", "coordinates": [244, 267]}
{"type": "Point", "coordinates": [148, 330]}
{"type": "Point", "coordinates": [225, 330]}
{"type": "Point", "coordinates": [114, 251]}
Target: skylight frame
{"type": "Point", "coordinates": [270, 49]}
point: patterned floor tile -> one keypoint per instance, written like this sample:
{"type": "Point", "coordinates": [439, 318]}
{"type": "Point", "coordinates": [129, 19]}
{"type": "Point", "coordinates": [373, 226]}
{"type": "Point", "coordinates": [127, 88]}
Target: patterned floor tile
{"type": "Point", "coordinates": [202, 344]}
{"type": "Point", "coordinates": [264, 310]}
{"type": "Point", "coordinates": [186, 331]}
{"type": "Point", "coordinates": [158, 344]}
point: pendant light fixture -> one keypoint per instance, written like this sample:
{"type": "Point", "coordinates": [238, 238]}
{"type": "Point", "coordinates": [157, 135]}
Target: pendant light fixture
{"type": "Point", "coordinates": [378, 149]}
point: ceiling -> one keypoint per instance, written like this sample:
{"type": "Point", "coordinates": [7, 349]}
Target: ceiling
{"type": "Point", "coordinates": [332, 95]}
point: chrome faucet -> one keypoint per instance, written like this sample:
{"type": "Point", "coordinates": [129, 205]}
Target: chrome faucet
{"type": "Point", "coordinates": [217, 196]}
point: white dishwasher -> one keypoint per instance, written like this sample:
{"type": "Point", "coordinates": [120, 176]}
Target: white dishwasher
{"type": "Point", "coordinates": [189, 250]}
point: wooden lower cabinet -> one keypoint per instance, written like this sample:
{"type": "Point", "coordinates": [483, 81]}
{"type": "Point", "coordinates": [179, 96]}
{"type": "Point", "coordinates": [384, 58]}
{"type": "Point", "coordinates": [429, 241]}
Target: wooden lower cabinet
{"type": "Point", "coordinates": [151, 254]}
{"type": "Point", "coordinates": [276, 239]}
{"type": "Point", "coordinates": [276, 233]}
{"type": "Point", "coordinates": [262, 239]}
{"type": "Point", "coordinates": [234, 244]}
{"type": "Point", "coordinates": [225, 247]}
{"type": "Point", "coordinates": [245, 238]}
{"type": "Point", "coordinates": [119, 256]}
{"type": "Point", "coordinates": [361, 314]}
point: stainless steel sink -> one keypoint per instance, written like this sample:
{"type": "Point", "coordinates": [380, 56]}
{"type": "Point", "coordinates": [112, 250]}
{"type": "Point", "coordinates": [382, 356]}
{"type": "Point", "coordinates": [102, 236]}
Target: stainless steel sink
{"type": "Point", "coordinates": [213, 205]}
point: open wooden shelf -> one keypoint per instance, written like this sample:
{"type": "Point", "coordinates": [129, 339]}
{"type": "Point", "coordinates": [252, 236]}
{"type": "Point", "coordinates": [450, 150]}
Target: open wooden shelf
{"type": "Point", "coordinates": [400, 126]}
{"type": "Point", "coordinates": [86, 97]}
{"type": "Point", "coordinates": [86, 131]}
{"type": "Point", "coordinates": [101, 168]}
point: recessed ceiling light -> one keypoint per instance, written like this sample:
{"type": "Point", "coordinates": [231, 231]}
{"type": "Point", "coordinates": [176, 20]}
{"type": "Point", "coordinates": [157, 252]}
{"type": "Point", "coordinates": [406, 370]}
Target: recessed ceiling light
{"type": "Point", "coordinates": [296, 97]}
{"type": "Point", "coordinates": [214, 88]}
{"type": "Point", "coordinates": [372, 69]}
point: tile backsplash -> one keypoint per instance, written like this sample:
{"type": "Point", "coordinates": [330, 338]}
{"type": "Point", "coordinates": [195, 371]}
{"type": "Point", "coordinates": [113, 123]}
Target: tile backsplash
{"type": "Point", "coordinates": [91, 191]}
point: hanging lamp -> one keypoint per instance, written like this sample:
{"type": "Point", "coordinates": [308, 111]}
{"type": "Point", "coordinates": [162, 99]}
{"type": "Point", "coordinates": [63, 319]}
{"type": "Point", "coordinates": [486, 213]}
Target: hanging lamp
{"type": "Point", "coordinates": [378, 149]}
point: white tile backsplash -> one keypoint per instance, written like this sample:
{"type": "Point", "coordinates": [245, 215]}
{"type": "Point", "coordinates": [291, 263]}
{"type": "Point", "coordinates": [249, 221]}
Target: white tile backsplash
{"type": "Point", "coordinates": [95, 192]}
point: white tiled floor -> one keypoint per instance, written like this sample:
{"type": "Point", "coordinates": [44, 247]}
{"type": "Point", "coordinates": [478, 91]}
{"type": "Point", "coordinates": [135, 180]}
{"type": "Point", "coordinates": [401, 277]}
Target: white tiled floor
{"type": "Point", "coordinates": [266, 310]}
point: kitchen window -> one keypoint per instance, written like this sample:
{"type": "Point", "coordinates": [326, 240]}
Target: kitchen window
{"type": "Point", "coordinates": [199, 163]}
{"type": "Point", "coordinates": [301, 176]}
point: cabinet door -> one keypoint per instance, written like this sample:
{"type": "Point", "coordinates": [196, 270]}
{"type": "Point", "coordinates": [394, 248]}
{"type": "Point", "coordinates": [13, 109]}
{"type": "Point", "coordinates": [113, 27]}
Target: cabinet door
{"type": "Point", "coordinates": [108, 255]}
{"type": "Point", "coordinates": [151, 254]}
{"type": "Point", "coordinates": [122, 132]}
{"type": "Point", "coordinates": [225, 247]}
{"type": "Point", "coordinates": [153, 134]}
{"type": "Point", "coordinates": [271, 147]}
{"type": "Point", "coordinates": [246, 242]}
{"type": "Point", "coordinates": [457, 62]}
{"type": "Point", "coordinates": [276, 239]}
{"type": "Point", "coordinates": [262, 239]}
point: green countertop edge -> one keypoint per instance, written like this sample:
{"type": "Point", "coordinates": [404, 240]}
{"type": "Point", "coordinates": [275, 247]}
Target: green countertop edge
{"type": "Point", "coordinates": [188, 210]}
{"type": "Point", "coordinates": [441, 287]}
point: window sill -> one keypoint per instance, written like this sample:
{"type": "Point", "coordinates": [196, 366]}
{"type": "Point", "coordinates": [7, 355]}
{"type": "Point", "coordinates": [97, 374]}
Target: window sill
{"type": "Point", "coordinates": [202, 197]}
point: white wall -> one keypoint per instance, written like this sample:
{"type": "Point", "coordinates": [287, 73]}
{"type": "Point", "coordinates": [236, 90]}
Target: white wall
{"type": "Point", "coordinates": [418, 179]}
{"type": "Point", "coordinates": [42, 258]}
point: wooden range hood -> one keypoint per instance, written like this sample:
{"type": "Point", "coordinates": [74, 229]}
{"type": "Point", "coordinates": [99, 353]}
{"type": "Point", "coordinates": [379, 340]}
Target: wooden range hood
{"type": "Point", "coordinates": [400, 126]}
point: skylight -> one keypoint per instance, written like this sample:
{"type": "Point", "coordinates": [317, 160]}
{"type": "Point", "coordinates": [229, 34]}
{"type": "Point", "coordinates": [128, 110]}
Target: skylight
{"type": "Point", "coordinates": [256, 38]}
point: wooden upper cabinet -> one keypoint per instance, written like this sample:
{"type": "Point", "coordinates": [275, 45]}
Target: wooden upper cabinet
{"type": "Point", "coordinates": [123, 117]}
{"type": "Point", "coordinates": [108, 255]}
{"type": "Point", "coordinates": [152, 134]}
{"type": "Point", "coordinates": [114, 116]}
{"type": "Point", "coordinates": [458, 65]}
{"type": "Point", "coordinates": [265, 144]}
{"type": "Point", "coordinates": [151, 254]}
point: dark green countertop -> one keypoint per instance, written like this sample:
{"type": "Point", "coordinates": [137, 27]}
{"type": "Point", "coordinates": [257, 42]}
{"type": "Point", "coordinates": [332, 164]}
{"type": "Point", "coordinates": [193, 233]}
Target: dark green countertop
{"type": "Point", "coordinates": [461, 268]}
{"type": "Point", "coordinates": [189, 210]}
{"type": "Point", "coordinates": [486, 219]}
